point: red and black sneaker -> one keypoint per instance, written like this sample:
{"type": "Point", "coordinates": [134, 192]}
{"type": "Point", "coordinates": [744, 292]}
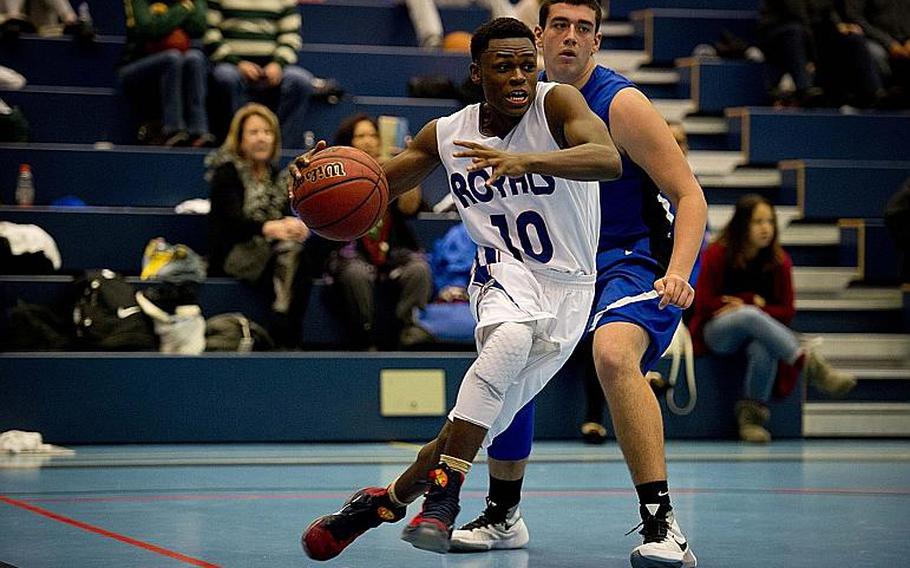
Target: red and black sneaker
{"type": "Point", "coordinates": [328, 535]}
{"type": "Point", "coordinates": [432, 528]}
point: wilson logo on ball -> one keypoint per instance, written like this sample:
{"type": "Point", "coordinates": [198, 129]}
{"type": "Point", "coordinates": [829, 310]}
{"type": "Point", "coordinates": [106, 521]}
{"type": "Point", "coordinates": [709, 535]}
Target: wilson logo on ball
{"type": "Point", "coordinates": [324, 171]}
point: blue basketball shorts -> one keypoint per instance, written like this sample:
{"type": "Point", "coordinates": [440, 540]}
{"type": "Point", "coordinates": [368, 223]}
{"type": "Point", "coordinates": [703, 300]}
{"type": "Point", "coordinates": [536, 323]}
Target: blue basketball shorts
{"type": "Point", "coordinates": [624, 293]}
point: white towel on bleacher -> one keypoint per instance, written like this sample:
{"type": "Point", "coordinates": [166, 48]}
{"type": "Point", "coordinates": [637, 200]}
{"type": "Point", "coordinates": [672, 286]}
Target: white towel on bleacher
{"type": "Point", "coordinates": [19, 441]}
{"type": "Point", "coordinates": [25, 239]}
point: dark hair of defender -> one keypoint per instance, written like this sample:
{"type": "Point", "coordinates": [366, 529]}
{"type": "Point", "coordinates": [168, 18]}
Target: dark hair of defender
{"type": "Point", "coordinates": [593, 4]}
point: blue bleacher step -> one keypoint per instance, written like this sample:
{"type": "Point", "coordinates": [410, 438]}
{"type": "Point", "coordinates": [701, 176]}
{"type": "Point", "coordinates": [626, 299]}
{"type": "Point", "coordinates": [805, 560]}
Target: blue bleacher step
{"type": "Point", "coordinates": [706, 133]}
{"type": "Point", "coordinates": [361, 69]}
{"type": "Point", "coordinates": [714, 84]}
{"type": "Point", "coordinates": [321, 327]}
{"type": "Point", "coordinates": [856, 419]}
{"type": "Point", "coordinates": [769, 135]}
{"type": "Point", "coordinates": [720, 214]}
{"type": "Point", "coordinates": [827, 189]}
{"type": "Point", "coordinates": [715, 163]}
{"type": "Point", "coordinates": [851, 310]}
{"type": "Point", "coordinates": [620, 35]}
{"type": "Point", "coordinates": [282, 397]}
{"type": "Point", "coordinates": [874, 384]}
{"type": "Point", "coordinates": [868, 244]}
{"type": "Point", "coordinates": [105, 115]}
{"type": "Point", "coordinates": [622, 9]}
{"type": "Point", "coordinates": [880, 404]}
{"type": "Point", "coordinates": [379, 22]}
{"type": "Point", "coordinates": [821, 279]}
{"type": "Point", "coordinates": [671, 33]}
{"type": "Point", "coordinates": [84, 234]}
{"type": "Point", "coordinates": [119, 176]}
{"type": "Point", "coordinates": [726, 189]}
{"type": "Point", "coordinates": [809, 244]}
{"type": "Point", "coordinates": [878, 350]}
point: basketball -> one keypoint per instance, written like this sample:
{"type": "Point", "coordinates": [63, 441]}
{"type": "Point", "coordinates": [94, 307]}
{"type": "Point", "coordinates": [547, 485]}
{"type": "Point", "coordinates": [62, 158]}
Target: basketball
{"type": "Point", "coordinates": [341, 194]}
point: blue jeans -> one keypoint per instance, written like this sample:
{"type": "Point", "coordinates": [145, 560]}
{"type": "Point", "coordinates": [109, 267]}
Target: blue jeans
{"type": "Point", "coordinates": [765, 341]}
{"type": "Point", "coordinates": [293, 97]}
{"type": "Point", "coordinates": [181, 80]}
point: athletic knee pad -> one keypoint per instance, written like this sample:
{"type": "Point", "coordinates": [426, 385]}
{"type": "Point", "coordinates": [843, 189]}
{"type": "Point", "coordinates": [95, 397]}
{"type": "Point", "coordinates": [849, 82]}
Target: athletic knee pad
{"type": "Point", "coordinates": [515, 442]}
{"type": "Point", "coordinates": [503, 356]}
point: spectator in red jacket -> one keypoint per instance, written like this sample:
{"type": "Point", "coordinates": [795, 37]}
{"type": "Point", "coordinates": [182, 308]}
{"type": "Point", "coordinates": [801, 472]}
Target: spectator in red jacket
{"type": "Point", "coordinates": [744, 304]}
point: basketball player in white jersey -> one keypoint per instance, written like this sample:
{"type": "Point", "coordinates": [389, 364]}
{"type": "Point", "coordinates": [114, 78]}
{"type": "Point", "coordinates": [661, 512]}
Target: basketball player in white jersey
{"type": "Point", "coordinates": [522, 167]}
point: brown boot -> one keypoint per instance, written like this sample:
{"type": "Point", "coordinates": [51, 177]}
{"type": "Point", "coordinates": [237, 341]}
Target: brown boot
{"type": "Point", "coordinates": [751, 417]}
{"type": "Point", "coordinates": [826, 378]}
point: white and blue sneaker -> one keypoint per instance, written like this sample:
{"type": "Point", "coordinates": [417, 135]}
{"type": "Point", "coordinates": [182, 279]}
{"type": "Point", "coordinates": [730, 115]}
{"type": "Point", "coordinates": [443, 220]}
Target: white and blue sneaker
{"type": "Point", "coordinates": [496, 528]}
{"type": "Point", "coordinates": [664, 545]}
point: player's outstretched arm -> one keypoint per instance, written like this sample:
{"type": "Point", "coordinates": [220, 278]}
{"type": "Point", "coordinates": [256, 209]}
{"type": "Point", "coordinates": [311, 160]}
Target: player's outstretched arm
{"type": "Point", "coordinates": [414, 164]}
{"type": "Point", "coordinates": [641, 132]}
{"type": "Point", "coordinates": [588, 152]}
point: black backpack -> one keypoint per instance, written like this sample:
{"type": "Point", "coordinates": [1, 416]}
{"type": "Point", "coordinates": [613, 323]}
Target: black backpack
{"type": "Point", "coordinates": [33, 327]}
{"type": "Point", "coordinates": [107, 317]}
{"type": "Point", "coordinates": [234, 332]}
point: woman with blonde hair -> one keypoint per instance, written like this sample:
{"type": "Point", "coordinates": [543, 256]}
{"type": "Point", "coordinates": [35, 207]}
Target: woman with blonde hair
{"type": "Point", "coordinates": [744, 305]}
{"type": "Point", "coordinates": [252, 236]}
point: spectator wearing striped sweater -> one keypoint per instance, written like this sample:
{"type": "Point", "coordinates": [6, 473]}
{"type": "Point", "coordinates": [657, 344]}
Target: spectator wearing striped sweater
{"type": "Point", "coordinates": [253, 45]}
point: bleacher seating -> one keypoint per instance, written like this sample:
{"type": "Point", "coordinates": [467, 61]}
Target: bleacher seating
{"type": "Point", "coordinates": [826, 188]}
{"type": "Point", "coordinates": [367, 22]}
{"type": "Point", "coordinates": [673, 33]}
{"type": "Point", "coordinates": [369, 45]}
{"type": "Point", "coordinates": [361, 69]}
{"type": "Point", "coordinates": [770, 135]}
{"type": "Point", "coordinates": [106, 114]}
{"type": "Point", "coordinates": [715, 84]}
{"type": "Point", "coordinates": [867, 243]}
{"type": "Point", "coordinates": [310, 397]}
{"type": "Point", "coordinates": [623, 9]}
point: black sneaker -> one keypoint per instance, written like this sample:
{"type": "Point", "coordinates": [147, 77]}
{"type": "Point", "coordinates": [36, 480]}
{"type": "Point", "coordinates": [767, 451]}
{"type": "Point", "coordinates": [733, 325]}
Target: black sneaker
{"type": "Point", "coordinates": [327, 90]}
{"type": "Point", "coordinates": [366, 509]}
{"type": "Point", "coordinates": [432, 528]}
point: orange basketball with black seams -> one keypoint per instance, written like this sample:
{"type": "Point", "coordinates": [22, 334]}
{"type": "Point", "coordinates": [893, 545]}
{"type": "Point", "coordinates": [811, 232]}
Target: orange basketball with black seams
{"type": "Point", "coordinates": [341, 194]}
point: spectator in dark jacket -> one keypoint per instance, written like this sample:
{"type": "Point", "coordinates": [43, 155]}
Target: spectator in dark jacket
{"type": "Point", "coordinates": [252, 235]}
{"type": "Point", "coordinates": [826, 57]}
{"type": "Point", "coordinates": [744, 304]}
{"type": "Point", "coordinates": [886, 24]}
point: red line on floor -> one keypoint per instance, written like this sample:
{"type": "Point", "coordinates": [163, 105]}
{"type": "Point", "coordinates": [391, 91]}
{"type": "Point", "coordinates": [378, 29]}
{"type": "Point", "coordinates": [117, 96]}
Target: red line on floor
{"type": "Point", "coordinates": [104, 532]}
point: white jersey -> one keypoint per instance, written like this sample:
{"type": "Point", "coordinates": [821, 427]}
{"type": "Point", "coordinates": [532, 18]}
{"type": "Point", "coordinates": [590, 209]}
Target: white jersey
{"type": "Point", "coordinates": [546, 222]}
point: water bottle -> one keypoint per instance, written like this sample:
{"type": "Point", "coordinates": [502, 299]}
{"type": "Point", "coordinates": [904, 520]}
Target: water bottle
{"type": "Point", "coordinates": [309, 139]}
{"type": "Point", "coordinates": [25, 186]}
{"type": "Point", "coordinates": [84, 15]}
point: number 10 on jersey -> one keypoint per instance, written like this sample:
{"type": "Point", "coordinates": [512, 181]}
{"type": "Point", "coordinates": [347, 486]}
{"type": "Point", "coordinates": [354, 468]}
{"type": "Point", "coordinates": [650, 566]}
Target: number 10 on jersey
{"type": "Point", "coordinates": [523, 223]}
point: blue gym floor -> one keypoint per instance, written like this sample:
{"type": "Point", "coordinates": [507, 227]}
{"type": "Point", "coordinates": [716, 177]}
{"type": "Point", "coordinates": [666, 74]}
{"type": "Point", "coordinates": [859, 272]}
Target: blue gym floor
{"type": "Point", "coordinates": [797, 503]}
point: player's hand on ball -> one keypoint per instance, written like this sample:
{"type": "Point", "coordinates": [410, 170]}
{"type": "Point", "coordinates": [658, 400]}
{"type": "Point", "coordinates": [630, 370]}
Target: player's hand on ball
{"type": "Point", "coordinates": [503, 163]}
{"type": "Point", "coordinates": [301, 162]}
{"type": "Point", "coordinates": [674, 290]}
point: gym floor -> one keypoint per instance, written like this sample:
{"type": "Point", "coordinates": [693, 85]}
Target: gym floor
{"type": "Point", "coordinates": [793, 503]}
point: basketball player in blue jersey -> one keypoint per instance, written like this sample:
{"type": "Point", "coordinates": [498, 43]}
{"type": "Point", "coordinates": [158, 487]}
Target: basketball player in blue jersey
{"type": "Point", "coordinates": [642, 284]}
{"type": "Point", "coordinates": [523, 169]}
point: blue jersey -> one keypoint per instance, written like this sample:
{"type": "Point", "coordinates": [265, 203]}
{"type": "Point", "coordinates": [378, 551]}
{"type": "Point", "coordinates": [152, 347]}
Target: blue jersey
{"type": "Point", "coordinates": [631, 207]}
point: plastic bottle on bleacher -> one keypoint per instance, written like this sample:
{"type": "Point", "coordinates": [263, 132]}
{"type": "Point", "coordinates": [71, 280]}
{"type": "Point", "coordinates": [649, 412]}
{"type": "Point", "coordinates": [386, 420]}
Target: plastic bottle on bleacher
{"type": "Point", "coordinates": [84, 15]}
{"type": "Point", "coordinates": [25, 186]}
